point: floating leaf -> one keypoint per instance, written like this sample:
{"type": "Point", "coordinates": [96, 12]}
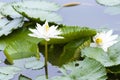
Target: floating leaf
{"type": "Point", "coordinates": [9, 70]}
{"type": "Point", "coordinates": [18, 50]}
{"type": "Point", "coordinates": [113, 10]}
{"type": "Point", "coordinates": [72, 50]}
{"type": "Point", "coordinates": [35, 64]}
{"type": "Point", "coordinates": [22, 77]}
{"type": "Point", "coordinates": [110, 58]}
{"type": "Point", "coordinates": [7, 26]}
{"type": "Point", "coordinates": [41, 77]}
{"type": "Point", "coordinates": [18, 34]}
{"type": "Point", "coordinates": [88, 69]}
{"type": "Point", "coordinates": [7, 10]}
{"type": "Point", "coordinates": [109, 2]}
{"type": "Point", "coordinates": [39, 4]}
{"type": "Point", "coordinates": [71, 33]}
{"type": "Point", "coordinates": [36, 14]}
{"type": "Point", "coordinates": [6, 77]}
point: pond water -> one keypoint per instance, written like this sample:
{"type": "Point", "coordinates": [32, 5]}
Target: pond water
{"type": "Point", "coordinates": [89, 14]}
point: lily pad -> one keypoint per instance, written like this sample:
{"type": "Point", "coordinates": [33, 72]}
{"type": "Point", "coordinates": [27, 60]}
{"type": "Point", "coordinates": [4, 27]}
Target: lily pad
{"type": "Point", "coordinates": [6, 77]}
{"type": "Point", "coordinates": [110, 58]}
{"type": "Point", "coordinates": [112, 10]}
{"type": "Point", "coordinates": [7, 26]}
{"type": "Point", "coordinates": [18, 50]}
{"type": "Point", "coordinates": [7, 10]}
{"type": "Point", "coordinates": [39, 4]}
{"type": "Point", "coordinates": [36, 14]}
{"type": "Point", "coordinates": [35, 64]}
{"type": "Point", "coordinates": [109, 2]}
{"type": "Point", "coordinates": [9, 70]}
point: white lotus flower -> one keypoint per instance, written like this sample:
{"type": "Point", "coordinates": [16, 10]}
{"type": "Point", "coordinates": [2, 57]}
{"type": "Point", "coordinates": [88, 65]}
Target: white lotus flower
{"type": "Point", "coordinates": [45, 32]}
{"type": "Point", "coordinates": [104, 40]}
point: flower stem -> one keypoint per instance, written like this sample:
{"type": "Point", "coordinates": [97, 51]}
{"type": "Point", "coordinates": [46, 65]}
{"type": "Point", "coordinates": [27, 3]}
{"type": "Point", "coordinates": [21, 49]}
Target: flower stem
{"type": "Point", "coordinates": [46, 59]}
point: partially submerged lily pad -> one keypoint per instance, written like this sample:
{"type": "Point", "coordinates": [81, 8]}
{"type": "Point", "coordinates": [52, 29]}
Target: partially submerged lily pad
{"type": "Point", "coordinates": [109, 2]}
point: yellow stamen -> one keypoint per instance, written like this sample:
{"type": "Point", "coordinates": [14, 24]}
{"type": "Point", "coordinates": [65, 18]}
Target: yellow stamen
{"type": "Point", "coordinates": [98, 41]}
{"type": "Point", "coordinates": [47, 27]}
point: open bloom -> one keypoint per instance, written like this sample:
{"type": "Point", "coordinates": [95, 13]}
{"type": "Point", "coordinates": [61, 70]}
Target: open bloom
{"type": "Point", "coordinates": [104, 40]}
{"type": "Point", "coordinates": [45, 32]}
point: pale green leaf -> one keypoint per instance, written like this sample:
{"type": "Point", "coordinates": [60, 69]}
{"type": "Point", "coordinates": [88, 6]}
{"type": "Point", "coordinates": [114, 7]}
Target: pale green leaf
{"type": "Point", "coordinates": [41, 77]}
{"type": "Point", "coordinates": [36, 14]}
{"type": "Point", "coordinates": [110, 58]}
{"type": "Point", "coordinates": [7, 10]}
{"type": "Point", "coordinates": [9, 70]}
{"type": "Point", "coordinates": [7, 26]}
{"type": "Point", "coordinates": [35, 64]}
{"type": "Point", "coordinates": [0, 61]}
{"type": "Point", "coordinates": [109, 2]}
{"type": "Point", "coordinates": [6, 76]}
{"type": "Point", "coordinates": [1, 4]}
{"type": "Point", "coordinates": [88, 69]}
{"type": "Point", "coordinates": [113, 10]}
{"type": "Point", "coordinates": [61, 78]}
{"type": "Point", "coordinates": [39, 4]}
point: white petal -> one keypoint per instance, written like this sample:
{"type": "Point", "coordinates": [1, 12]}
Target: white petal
{"type": "Point", "coordinates": [109, 33]}
{"type": "Point", "coordinates": [38, 25]}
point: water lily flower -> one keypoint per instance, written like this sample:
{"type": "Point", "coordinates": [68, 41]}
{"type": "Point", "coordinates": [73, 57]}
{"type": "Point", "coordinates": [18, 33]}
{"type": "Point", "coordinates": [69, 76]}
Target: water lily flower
{"type": "Point", "coordinates": [45, 32]}
{"type": "Point", "coordinates": [104, 40]}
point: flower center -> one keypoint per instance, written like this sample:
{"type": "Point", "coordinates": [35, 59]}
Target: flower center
{"type": "Point", "coordinates": [46, 28]}
{"type": "Point", "coordinates": [98, 41]}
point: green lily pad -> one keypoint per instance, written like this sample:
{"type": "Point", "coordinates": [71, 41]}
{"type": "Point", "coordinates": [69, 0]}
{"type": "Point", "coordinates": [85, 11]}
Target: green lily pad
{"type": "Point", "coordinates": [110, 58]}
{"type": "Point", "coordinates": [88, 69]}
{"type": "Point", "coordinates": [109, 2]}
{"type": "Point", "coordinates": [18, 50]}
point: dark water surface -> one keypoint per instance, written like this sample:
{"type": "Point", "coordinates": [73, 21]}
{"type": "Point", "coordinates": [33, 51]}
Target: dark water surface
{"type": "Point", "coordinates": [88, 13]}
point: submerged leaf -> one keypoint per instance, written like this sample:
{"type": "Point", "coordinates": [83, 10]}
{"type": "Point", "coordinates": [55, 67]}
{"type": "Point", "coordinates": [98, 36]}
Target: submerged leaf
{"type": "Point", "coordinates": [109, 2]}
{"type": "Point", "coordinates": [7, 26]}
{"type": "Point", "coordinates": [110, 58]}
